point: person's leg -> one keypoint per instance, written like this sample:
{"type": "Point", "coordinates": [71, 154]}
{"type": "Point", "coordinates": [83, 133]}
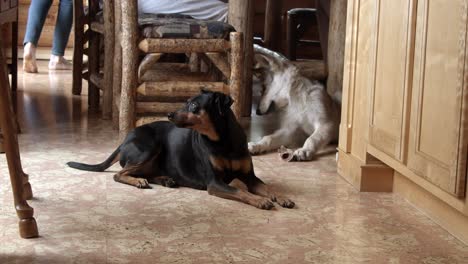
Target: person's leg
{"type": "Point", "coordinates": [61, 34]}
{"type": "Point", "coordinates": [36, 17]}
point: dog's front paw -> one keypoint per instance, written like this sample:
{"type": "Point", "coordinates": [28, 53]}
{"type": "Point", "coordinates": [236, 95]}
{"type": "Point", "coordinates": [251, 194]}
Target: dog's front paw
{"type": "Point", "coordinates": [284, 202]}
{"type": "Point", "coordinates": [265, 204]}
{"type": "Point", "coordinates": [303, 154]}
{"type": "Point", "coordinates": [255, 148]}
{"type": "Point", "coordinates": [169, 182]}
{"type": "Point", "coordinates": [142, 183]}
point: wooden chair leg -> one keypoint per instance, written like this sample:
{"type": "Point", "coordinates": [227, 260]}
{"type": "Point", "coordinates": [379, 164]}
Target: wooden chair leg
{"type": "Point", "coordinates": [129, 67]}
{"type": "Point", "coordinates": [14, 56]}
{"type": "Point", "coordinates": [291, 36]}
{"type": "Point", "coordinates": [108, 58]}
{"type": "Point", "coordinates": [237, 73]}
{"type": "Point", "coordinates": [93, 69]}
{"type": "Point", "coordinates": [241, 14]}
{"type": "Point", "coordinates": [19, 180]}
{"type": "Point", "coordinates": [117, 71]}
{"type": "Point", "coordinates": [78, 47]}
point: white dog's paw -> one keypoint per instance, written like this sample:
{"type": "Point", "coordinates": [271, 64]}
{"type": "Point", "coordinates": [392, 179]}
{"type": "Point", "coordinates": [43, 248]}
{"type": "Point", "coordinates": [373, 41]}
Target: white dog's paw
{"type": "Point", "coordinates": [303, 154]}
{"type": "Point", "coordinates": [255, 148]}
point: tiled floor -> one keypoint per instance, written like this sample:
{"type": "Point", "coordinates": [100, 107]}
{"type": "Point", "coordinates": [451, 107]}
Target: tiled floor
{"type": "Point", "coordinates": [86, 217]}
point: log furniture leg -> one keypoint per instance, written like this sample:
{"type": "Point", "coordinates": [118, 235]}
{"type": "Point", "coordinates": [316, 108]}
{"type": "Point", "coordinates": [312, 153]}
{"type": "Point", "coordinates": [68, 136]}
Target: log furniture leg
{"type": "Point", "coordinates": [237, 62]}
{"type": "Point", "coordinates": [19, 180]}
{"type": "Point", "coordinates": [117, 71]}
{"type": "Point", "coordinates": [109, 36]}
{"type": "Point", "coordinates": [129, 39]}
{"type": "Point", "coordinates": [241, 13]}
{"type": "Point", "coordinates": [14, 56]}
{"type": "Point", "coordinates": [93, 62]}
{"type": "Point", "coordinates": [78, 48]}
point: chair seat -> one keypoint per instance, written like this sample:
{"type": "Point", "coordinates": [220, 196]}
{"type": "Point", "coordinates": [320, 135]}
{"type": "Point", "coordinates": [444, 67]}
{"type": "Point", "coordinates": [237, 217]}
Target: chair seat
{"type": "Point", "coordinates": [170, 26]}
{"type": "Point", "coordinates": [180, 26]}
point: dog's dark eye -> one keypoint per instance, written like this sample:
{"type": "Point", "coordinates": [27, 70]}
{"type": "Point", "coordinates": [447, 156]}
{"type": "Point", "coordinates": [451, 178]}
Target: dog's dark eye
{"type": "Point", "coordinates": [193, 107]}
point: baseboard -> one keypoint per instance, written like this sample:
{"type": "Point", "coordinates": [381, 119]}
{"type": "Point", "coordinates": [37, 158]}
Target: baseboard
{"type": "Point", "coordinates": [452, 220]}
{"type": "Point", "coordinates": [375, 177]}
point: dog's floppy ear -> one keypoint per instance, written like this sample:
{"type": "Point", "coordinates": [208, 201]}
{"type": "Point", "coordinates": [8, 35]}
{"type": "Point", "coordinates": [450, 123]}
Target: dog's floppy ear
{"type": "Point", "coordinates": [261, 61]}
{"type": "Point", "coordinates": [223, 103]}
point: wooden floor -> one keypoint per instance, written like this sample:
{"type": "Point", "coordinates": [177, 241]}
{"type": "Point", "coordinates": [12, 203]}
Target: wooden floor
{"type": "Point", "coordinates": [86, 217]}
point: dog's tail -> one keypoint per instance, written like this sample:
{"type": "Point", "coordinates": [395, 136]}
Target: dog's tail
{"type": "Point", "coordinates": [113, 158]}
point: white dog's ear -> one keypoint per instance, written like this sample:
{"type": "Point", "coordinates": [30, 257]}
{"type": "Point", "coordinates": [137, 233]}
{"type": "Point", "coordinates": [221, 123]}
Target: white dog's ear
{"type": "Point", "coordinates": [261, 61]}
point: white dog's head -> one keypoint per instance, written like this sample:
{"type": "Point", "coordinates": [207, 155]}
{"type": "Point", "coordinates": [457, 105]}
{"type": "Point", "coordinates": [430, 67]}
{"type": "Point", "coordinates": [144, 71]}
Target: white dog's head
{"type": "Point", "coordinates": [275, 73]}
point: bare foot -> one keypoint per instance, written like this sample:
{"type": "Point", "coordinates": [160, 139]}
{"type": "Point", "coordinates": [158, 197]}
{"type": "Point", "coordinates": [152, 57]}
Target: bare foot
{"type": "Point", "coordinates": [29, 58]}
{"type": "Point", "coordinates": [59, 63]}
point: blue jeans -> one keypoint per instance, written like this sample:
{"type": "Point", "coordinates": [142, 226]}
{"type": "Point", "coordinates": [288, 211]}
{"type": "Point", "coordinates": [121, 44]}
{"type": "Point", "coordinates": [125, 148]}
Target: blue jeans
{"type": "Point", "coordinates": [36, 18]}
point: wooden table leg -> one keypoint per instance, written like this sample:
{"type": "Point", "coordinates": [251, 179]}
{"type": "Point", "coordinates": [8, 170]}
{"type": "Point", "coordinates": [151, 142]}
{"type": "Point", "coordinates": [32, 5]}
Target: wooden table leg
{"type": "Point", "coordinates": [14, 56]}
{"type": "Point", "coordinates": [19, 180]}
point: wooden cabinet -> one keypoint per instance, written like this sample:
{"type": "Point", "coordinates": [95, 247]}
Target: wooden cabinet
{"type": "Point", "coordinates": [393, 67]}
{"type": "Point", "coordinates": [437, 144]}
{"type": "Point", "coordinates": [404, 108]}
{"type": "Point", "coordinates": [405, 96]}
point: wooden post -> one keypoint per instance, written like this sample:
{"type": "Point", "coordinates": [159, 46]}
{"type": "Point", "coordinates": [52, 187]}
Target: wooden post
{"type": "Point", "coordinates": [129, 66]}
{"type": "Point", "coordinates": [241, 14]}
{"type": "Point", "coordinates": [108, 58]}
{"type": "Point", "coordinates": [291, 36]}
{"type": "Point", "coordinates": [78, 49]}
{"type": "Point", "coordinates": [93, 59]}
{"type": "Point", "coordinates": [117, 71]}
{"type": "Point", "coordinates": [235, 84]}
{"type": "Point", "coordinates": [14, 54]}
{"type": "Point", "coordinates": [336, 45]}
{"type": "Point", "coordinates": [272, 24]}
{"type": "Point", "coordinates": [19, 180]}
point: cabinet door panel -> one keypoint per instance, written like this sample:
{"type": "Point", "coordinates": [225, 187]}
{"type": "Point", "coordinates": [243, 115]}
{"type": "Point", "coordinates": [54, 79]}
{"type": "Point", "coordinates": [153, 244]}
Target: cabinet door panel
{"type": "Point", "coordinates": [393, 61]}
{"type": "Point", "coordinates": [436, 150]}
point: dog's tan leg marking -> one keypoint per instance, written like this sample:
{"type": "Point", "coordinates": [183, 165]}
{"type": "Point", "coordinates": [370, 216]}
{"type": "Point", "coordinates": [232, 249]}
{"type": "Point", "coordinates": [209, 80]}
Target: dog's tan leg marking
{"type": "Point", "coordinates": [262, 189]}
{"type": "Point", "coordinates": [229, 192]}
{"type": "Point", "coordinates": [243, 165]}
{"type": "Point", "coordinates": [163, 180]}
{"type": "Point", "coordinates": [125, 176]}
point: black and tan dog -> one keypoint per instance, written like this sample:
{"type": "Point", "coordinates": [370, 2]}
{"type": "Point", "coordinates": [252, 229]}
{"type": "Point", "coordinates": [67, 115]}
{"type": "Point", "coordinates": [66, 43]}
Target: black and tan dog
{"type": "Point", "coordinates": [203, 147]}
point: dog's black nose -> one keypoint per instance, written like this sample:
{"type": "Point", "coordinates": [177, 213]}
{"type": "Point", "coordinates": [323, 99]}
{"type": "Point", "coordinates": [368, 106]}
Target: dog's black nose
{"type": "Point", "coordinates": [258, 112]}
{"type": "Point", "coordinates": [170, 115]}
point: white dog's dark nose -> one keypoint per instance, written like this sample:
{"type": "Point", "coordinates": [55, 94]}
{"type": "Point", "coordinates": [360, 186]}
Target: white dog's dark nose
{"type": "Point", "coordinates": [258, 112]}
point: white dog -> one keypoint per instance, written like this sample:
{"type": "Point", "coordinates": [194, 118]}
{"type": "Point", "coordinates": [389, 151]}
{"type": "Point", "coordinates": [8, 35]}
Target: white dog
{"type": "Point", "coordinates": [309, 113]}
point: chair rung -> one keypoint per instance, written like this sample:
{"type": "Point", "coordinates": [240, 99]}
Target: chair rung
{"type": "Point", "coordinates": [85, 75]}
{"type": "Point", "coordinates": [179, 88]}
{"type": "Point", "coordinates": [174, 71]}
{"type": "Point", "coordinates": [312, 43]}
{"type": "Point", "coordinates": [96, 79]}
{"type": "Point", "coordinates": [143, 120]}
{"type": "Point", "coordinates": [97, 27]}
{"type": "Point", "coordinates": [157, 107]}
{"type": "Point", "coordinates": [313, 69]}
{"type": "Point", "coordinates": [153, 45]}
